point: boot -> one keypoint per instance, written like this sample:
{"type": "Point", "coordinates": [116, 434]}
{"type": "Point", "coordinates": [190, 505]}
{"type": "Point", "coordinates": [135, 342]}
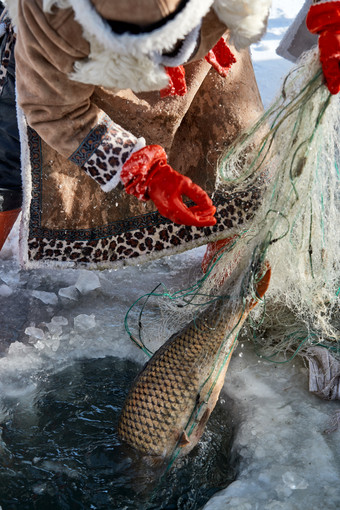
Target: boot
{"type": "Point", "coordinates": [10, 207]}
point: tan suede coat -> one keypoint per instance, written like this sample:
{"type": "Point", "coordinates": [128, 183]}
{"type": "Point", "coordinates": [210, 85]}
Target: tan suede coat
{"type": "Point", "coordinates": [194, 129]}
{"type": "Point", "coordinates": [143, 12]}
{"type": "Point", "coordinates": [63, 111]}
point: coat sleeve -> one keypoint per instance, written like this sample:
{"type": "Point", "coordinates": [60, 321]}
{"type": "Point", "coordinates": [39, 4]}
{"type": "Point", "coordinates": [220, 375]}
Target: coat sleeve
{"type": "Point", "coordinates": [59, 109]}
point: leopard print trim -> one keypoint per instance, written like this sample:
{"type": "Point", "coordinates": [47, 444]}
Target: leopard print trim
{"type": "Point", "coordinates": [133, 240]}
{"type": "Point", "coordinates": [144, 238]}
{"type": "Point", "coordinates": [104, 151]}
{"type": "Point", "coordinates": [7, 40]}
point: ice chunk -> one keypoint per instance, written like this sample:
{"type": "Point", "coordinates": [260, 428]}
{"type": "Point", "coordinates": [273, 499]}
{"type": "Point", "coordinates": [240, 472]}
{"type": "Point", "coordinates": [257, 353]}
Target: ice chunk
{"type": "Point", "coordinates": [54, 329]}
{"type": "Point", "coordinates": [5, 290]}
{"type": "Point", "coordinates": [40, 345]}
{"type": "Point", "coordinates": [294, 481]}
{"type": "Point", "coordinates": [87, 282]}
{"type": "Point", "coordinates": [53, 343]}
{"type": "Point", "coordinates": [76, 340]}
{"type": "Point", "coordinates": [49, 298]}
{"type": "Point", "coordinates": [69, 293]}
{"type": "Point", "coordinates": [19, 350]}
{"type": "Point", "coordinates": [60, 320]}
{"type": "Point", "coordinates": [84, 322]}
{"type": "Point", "coordinates": [35, 333]}
{"type": "Point", "coordinates": [59, 467]}
{"type": "Point", "coordinates": [11, 278]}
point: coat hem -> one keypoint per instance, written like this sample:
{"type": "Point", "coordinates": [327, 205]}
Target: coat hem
{"type": "Point", "coordinates": [144, 259]}
{"type": "Point", "coordinates": [127, 241]}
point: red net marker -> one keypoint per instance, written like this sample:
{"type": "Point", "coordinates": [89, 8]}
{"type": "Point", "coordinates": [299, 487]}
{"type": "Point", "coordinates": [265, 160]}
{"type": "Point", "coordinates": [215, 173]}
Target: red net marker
{"type": "Point", "coordinates": [177, 84]}
{"type": "Point", "coordinates": [221, 58]}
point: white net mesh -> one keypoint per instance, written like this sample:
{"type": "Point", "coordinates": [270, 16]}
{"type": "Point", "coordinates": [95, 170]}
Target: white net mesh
{"type": "Point", "coordinates": [297, 143]}
{"type": "Point", "coordinates": [293, 153]}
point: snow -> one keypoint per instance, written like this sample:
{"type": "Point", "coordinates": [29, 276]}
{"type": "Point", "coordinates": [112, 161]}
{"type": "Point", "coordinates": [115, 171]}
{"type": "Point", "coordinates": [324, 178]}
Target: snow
{"type": "Point", "coordinates": [289, 461]}
{"type": "Point", "coordinates": [269, 68]}
{"type": "Point", "coordinates": [49, 318]}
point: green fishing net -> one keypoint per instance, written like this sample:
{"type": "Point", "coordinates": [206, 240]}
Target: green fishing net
{"type": "Point", "coordinates": [292, 154]}
{"type": "Point", "coordinates": [297, 142]}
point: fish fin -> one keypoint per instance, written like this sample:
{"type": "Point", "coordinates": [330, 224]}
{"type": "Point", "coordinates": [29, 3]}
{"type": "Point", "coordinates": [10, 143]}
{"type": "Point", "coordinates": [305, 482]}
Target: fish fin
{"type": "Point", "coordinates": [183, 440]}
{"type": "Point", "coordinates": [203, 421]}
{"type": "Point", "coordinates": [154, 461]}
{"type": "Point", "coordinates": [262, 286]}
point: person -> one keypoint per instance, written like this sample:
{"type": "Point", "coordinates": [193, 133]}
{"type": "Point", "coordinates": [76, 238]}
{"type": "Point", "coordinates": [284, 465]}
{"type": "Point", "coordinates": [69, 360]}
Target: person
{"type": "Point", "coordinates": [124, 109]}
{"type": "Point", "coordinates": [10, 175]}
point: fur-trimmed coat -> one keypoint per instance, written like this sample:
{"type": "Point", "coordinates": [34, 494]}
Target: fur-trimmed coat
{"type": "Point", "coordinates": [88, 81]}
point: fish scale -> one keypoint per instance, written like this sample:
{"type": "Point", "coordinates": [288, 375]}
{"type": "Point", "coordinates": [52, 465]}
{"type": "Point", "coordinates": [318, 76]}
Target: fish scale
{"type": "Point", "coordinates": [171, 399]}
{"type": "Point", "coordinates": [169, 385]}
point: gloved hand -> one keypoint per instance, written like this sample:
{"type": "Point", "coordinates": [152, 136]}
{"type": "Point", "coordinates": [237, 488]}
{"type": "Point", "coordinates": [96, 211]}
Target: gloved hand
{"type": "Point", "coordinates": [147, 175]}
{"type": "Point", "coordinates": [324, 19]}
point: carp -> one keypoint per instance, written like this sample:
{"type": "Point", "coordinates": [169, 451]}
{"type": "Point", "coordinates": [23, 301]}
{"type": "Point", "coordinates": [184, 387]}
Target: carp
{"type": "Point", "coordinates": [170, 401]}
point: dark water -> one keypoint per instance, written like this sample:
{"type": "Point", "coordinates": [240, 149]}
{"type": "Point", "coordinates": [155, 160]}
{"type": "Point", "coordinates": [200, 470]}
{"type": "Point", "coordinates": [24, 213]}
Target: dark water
{"type": "Point", "coordinates": [61, 451]}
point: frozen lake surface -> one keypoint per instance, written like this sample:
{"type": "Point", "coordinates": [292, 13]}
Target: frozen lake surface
{"type": "Point", "coordinates": [58, 420]}
{"type": "Point", "coordinates": [66, 361]}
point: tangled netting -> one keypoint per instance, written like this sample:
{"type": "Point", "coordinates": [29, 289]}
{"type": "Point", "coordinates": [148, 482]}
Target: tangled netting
{"type": "Point", "coordinates": [293, 153]}
{"type": "Point", "coordinates": [297, 143]}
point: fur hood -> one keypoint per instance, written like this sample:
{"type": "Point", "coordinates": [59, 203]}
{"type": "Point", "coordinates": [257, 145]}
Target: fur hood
{"type": "Point", "coordinates": [142, 12]}
{"type": "Point", "coordinates": [136, 61]}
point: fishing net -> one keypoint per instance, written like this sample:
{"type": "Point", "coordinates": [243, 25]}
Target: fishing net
{"type": "Point", "coordinates": [292, 154]}
{"type": "Point", "coordinates": [297, 226]}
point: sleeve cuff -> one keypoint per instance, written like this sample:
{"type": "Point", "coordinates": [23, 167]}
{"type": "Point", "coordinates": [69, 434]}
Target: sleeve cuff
{"type": "Point", "coordinates": [104, 151]}
{"type": "Point", "coordinates": [246, 19]}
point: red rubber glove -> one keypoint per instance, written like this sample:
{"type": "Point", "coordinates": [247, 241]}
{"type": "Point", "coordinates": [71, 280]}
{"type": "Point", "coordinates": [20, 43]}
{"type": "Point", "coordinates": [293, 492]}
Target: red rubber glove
{"type": "Point", "coordinates": [221, 58]}
{"type": "Point", "coordinates": [146, 175]}
{"type": "Point", "coordinates": [177, 84]}
{"type": "Point", "coordinates": [324, 19]}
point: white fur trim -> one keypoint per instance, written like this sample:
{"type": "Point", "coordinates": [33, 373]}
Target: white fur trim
{"type": "Point", "coordinates": [111, 70]}
{"type": "Point", "coordinates": [246, 19]}
{"type": "Point", "coordinates": [12, 7]}
{"type": "Point", "coordinates": [160, 39]}
{"type": "Point", "coordinates": [187, 49]}
{"type": "Point", "coordinates": [26, 176]}
{"type": "Point", "coordinates": [121, 61]}
{"type": "Point", "coordinates": [60, 4]}
{"type": "Point", "coordinates": [116, 179]}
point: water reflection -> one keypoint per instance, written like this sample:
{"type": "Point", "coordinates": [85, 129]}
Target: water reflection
{"type": "Point", "coordinates": [61, 449]}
